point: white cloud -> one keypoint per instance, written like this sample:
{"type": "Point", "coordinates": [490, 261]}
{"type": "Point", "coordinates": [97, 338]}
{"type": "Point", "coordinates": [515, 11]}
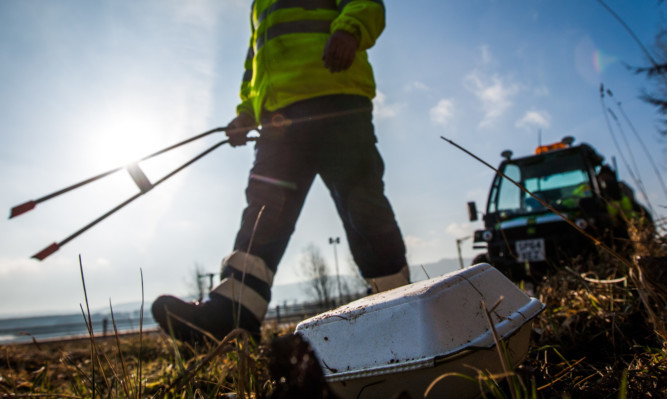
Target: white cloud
{"type": "Point", "coordinates": [487, 58]}
{"type": "Point", "coordinates": [15, 265]}
{"type": "Point", "coordinates": [418, 86]}
{"type": "Point", "coordinates": [442, 113]}
{"type": "Point", "coordinates": [103, 262]}
{"type": "Point", "coordinates": [459, 230]}
{"type": "Point", "coordinates": [195, 13]}
{"type": "Point", "coordinates": [382, 110]}
{"type": "Point", "coordinates": [534, 119]}
{"type": "Point", "coordinates": [541, 91]}
{"type": "Point", "coordinates": [414, 242]}
{"type": "Point", "coordinates": [494, 93]}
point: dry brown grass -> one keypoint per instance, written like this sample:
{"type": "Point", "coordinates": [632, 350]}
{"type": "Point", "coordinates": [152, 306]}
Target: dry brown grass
{"type": "Point", "coordinates": [602, 335]}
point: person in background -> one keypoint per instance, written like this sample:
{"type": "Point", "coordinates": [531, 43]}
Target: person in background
{"type": "Point", "coordinates": [309, 85]}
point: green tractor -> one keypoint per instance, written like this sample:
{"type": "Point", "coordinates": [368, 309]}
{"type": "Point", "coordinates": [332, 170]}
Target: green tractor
{"type": "Point", "coordinates": [524, 239]}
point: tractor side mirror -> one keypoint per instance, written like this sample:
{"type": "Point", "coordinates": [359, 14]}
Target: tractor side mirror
{"type": "Point", "coordinates": [472, 211]}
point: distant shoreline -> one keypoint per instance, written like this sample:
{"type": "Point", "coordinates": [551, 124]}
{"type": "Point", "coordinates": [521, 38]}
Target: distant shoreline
{"type": "Point", "coordinates": [83, 337]}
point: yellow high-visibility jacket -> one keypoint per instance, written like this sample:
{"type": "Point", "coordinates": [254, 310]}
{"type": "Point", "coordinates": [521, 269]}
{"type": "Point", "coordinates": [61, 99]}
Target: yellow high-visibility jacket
{"type": "Point", "coordinates": [622, 207]}
{"type": "Point", "coordinates": [284, 62]}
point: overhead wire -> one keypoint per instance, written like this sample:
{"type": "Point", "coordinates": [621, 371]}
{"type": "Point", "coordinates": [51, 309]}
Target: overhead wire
{"type": "Point", "coordinates": [635, 179]}
{"type": "Point", "coordinates": [641, 142]}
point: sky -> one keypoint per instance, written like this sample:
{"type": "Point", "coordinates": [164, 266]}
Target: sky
{"type": "Point", "coordinates": [91, 86]}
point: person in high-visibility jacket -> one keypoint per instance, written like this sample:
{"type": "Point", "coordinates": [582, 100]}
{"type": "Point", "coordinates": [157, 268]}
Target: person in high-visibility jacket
{"type": "Point", "coordinates": [623, 214]}
{"type": "Point", "coordinates": [620, 206]}
{"type": "Point", "coordinates": [309, 85]}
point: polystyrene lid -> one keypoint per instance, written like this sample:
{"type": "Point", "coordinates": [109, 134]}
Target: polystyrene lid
{"type": "Point", "coordinates": [414, 324]}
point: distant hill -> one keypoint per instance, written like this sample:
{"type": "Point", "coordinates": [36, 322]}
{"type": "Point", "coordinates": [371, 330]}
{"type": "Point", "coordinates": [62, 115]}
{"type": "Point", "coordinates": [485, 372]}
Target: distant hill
{"type": "Point", "coordinates": [298, 292]}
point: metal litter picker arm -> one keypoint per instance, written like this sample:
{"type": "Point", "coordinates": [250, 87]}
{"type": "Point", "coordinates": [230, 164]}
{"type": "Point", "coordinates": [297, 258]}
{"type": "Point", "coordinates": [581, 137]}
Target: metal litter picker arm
{"type": "Point", "coordinates": [137, 175]}
{"type": "Point", "coordinates": [30, 205]}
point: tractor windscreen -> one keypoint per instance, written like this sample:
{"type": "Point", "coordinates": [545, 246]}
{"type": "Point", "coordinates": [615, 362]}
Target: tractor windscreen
{"type": "Point", "coordinates": [561, 179]}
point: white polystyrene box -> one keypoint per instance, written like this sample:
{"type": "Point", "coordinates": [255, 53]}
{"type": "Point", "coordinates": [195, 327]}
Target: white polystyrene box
{"type": "Point", "coordinates": [419, 327]}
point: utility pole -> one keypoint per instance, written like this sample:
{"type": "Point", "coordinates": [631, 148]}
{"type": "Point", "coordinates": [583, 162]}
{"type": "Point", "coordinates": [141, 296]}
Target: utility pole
{"type": "Point", "coordinates": [200, 276]}
{"type": "Point", "coordinates": [458, 248]}
{"type": "Point", "coordinates": [334, 241]}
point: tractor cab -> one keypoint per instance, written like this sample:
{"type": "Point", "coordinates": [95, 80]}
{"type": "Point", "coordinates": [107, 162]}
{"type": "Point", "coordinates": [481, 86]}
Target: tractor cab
{"type": "Point", "coordinates": [521, 236]}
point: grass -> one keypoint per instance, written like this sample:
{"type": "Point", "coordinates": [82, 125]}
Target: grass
{"type": "Point", "coordinates": [602, 335]}
{"type": "Point", "coordinates": [168, 369]}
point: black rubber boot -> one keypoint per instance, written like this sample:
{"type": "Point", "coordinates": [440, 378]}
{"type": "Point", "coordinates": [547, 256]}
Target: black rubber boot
{"type": "Point", "coordinates": [216, 316]}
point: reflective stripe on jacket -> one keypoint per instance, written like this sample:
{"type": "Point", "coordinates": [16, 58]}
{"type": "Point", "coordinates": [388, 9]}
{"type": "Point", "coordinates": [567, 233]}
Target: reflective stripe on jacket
{"type": "Point", "coordinates": [284, 61]}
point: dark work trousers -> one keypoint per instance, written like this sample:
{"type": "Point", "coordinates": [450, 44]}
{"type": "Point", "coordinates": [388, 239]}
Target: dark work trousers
{"type": "Point", "coordinates": [331, 136]}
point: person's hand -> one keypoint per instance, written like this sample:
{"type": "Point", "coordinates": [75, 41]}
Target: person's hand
{"type": "Point", "coordinates": [339, 51]}
{"type": "Point", "coordinates": [238, 129]}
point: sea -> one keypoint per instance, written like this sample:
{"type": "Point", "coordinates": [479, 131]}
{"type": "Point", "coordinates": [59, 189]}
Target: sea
{"type": "Point", "coordinates": [46, 328]}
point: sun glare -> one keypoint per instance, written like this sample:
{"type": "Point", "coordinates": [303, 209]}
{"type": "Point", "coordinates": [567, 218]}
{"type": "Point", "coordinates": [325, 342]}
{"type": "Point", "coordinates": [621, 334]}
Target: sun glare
{"type": "Point", "coordinates": [124, 140]}
{"type": "Point", "coordinates": [122, 135]}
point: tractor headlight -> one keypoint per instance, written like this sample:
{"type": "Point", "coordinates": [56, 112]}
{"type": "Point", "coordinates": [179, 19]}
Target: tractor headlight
{"type": "Point", "coordinates": [487, 235]}
{"type": "Point", "coordinates": [581, 223]}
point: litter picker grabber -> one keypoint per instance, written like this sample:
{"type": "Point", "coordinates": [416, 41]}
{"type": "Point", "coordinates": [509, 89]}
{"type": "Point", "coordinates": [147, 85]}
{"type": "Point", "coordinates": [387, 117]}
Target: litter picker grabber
{"type": "Point", "coordinates": [145, 185]}
{"type": "Point", "coordinates": [138, 177]}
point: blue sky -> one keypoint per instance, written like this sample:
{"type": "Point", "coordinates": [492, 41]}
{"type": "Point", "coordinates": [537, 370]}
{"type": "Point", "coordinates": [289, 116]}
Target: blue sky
{"type": "Point", "coordinates": [88, 86]}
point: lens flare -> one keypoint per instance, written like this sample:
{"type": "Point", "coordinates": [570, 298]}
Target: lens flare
{"type": "Point", "coordinates": [602, 61]}
{"type": "Point", "coordinates": [590, 61]}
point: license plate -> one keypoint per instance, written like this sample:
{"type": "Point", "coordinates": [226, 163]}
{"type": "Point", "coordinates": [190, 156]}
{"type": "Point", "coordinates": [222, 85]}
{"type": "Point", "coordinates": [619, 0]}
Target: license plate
{"type": "Point", "coordinates": [530, 250]}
